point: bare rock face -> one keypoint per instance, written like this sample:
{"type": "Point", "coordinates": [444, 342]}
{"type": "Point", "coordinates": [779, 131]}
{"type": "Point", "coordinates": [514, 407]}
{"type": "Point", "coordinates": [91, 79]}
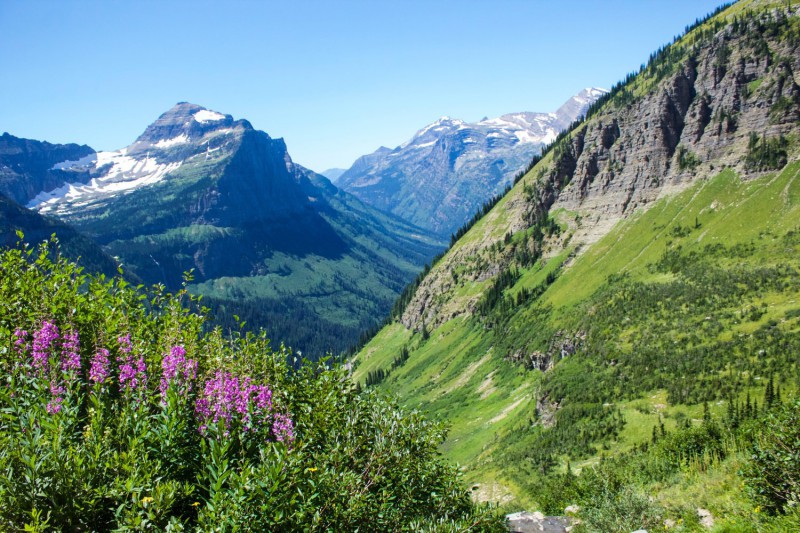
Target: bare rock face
{"type": "Point", "coordinates": [681, 120]}
{"type": "Point", "coordinates": [28, 166]}
{"type": "Point", "coordinates": [704, 109]}
{"type": "Point", "coordinates": [537, 523]}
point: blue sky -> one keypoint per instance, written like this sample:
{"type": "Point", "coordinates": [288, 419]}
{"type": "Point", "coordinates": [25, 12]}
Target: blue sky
{"type": "Point", "coordinates": [336, 79]}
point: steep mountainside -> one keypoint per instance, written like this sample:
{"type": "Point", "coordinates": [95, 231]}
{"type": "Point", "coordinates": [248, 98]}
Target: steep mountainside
{"type": "Point", "coordinates": [28, 167]}
{"type": "Point", "coordinates": [267, 240]}
{"type": "Point", "coordinates": [37, 228]}
{"type": "Point", "coordinates": [646, 265]}
{"type": "Point", "coordinates": [448, 169]}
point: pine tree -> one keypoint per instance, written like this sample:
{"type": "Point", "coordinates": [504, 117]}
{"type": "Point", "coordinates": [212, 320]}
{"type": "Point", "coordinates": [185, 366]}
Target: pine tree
{"type": "Point", "coordinates": [769, 393]}
{"type": "Point", "coordinates": [748, 407]}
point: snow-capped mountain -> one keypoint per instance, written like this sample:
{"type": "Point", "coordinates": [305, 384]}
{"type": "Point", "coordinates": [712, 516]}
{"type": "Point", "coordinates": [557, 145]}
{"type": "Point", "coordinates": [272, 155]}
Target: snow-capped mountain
{"type": "Point", "coordinates": [186, 134]}
{"type": "Point", "coordinates": [442, 175]}
{"type": "Point", "coordinates": [268, 240]}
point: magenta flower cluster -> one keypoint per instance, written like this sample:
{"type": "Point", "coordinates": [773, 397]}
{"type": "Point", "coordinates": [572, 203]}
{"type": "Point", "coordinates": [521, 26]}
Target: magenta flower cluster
{"type": "Point", "coordinates": [177, 370]}
{"type": "Point", "coordinates": [283, 428]}
{"type": "Point", "coordinates": [20, 341]}
{"type": "Point", "coordinates": [132, 369]}
{"type": "Point", "coordinates": [44, 340]}
{"type": "Point", "coordinates": [100, 367]}
{"type": "Point", "coordinates": [70, 350]}
{"type": "Point", "coordinates": [227, 399]}
{"type": "Point", "coordinates": [47, 342]}
{"type": "Point", "coordinates": [54, 405]}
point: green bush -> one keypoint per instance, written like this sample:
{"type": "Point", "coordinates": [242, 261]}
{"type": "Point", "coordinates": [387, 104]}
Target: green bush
{"type": "Point", "coordinates": [619, 510]}
{"type": "Point", "coordinates": [772, 474]}
{"type": "Point", "coordinates": [118, 411]}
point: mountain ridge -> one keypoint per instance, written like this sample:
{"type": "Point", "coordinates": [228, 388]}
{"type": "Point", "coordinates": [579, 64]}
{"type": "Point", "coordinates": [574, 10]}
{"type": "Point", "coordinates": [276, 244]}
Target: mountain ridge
{"type": "Point", "coordinates": [449, 168]}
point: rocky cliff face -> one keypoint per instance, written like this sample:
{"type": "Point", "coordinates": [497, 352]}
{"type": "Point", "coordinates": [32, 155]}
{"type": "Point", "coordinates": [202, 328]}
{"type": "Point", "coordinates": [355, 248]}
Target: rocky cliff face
{"type": "Point", "coordinates": [442, 175]}
{"type": "Point", "coordinates": [27, 166]}
{"type": "Point", "coordinates": [694, 111]}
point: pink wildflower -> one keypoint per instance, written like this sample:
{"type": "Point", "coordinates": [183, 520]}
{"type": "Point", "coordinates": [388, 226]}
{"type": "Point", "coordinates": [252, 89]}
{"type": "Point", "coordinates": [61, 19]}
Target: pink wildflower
{"type": "Point", "coordinates": [43, 341]}
{"type": "Point", "coordinates": [54, 405]}
{"type": "Point", "coordinates": [70, 352]}
{"type": "Point", "coordinates": [125, 345]}
{"type": "Point", "coordinates": [20, 341]}
{"type": "Point", "coordinates": [227, 398]}
{"type": "Point", "coordinates": [283, 428]}
{"type": "Point", "coordinates": [177, 368]}
{"type": "Point", "coordinates": [99, 369]}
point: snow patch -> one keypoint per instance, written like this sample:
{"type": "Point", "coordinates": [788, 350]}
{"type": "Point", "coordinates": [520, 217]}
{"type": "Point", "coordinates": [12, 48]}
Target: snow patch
{"type": "Point", "coordinates": [166, 143]}
{"type": "Point", "coordinates": [423, 145]}
{"type": "Point", "coordinates": [205, 115]}
{"type": "Point", "coordinates": [83, 162]}
{"type": "Point", "coordinates": [124, 174]}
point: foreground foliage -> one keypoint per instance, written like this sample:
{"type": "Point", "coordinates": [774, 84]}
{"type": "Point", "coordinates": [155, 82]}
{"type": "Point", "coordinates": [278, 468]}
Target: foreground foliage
{"type": "Point", "coordinates": [120, 412]}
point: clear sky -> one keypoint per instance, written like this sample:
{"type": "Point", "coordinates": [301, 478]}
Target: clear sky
{"type": "Point", "coordinates": [336, 79]}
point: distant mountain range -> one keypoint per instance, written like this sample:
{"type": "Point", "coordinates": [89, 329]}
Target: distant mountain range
{"type": "Point", "coordinates": [333, 174]}
{"type": "Point", "coordinates": [441, 176]}
{"type": "Point", "coordinates": [267, 240]}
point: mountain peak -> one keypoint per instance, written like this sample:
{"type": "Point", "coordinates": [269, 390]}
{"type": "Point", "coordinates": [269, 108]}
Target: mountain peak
{"type": "Point", "coordinates": [184, 120]}
{"type": "Point", "coordinates": [578, 104]}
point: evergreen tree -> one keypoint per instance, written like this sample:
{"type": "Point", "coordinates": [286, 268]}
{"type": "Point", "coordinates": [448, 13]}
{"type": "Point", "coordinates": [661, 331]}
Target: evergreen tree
{"type": "Point", "coordinates": [769, 393]}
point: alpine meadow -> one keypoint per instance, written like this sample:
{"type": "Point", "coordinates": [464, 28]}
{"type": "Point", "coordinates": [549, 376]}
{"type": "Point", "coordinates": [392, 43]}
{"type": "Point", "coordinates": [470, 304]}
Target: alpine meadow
{"type": "Point", "coordinates": [586, 320]}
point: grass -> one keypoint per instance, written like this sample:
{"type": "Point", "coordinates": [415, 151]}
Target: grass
{"type": "Point", "coordinates": [728, 211]}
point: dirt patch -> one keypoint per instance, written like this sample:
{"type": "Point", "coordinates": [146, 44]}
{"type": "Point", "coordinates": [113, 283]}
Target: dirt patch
{"type": "Point", "coordinates": [467, 374]}
{"type": "Point", "coordinates": [504, 413]}
{"type": "Point", "coordinates": [487, 386]}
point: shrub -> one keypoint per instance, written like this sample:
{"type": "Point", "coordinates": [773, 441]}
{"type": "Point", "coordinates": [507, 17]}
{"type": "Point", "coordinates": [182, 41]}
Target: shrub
{"type": "Point", "coordinates": [772, 474]}
{"type": "Point", "coordinates": [118, 411]}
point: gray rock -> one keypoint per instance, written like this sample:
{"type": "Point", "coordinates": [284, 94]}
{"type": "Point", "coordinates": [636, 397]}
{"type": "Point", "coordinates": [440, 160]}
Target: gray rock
{"type": "Point", "coordinates": [525, 522]}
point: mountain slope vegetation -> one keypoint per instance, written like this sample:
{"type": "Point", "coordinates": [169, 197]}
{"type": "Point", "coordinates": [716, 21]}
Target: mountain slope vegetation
{"type": "Point", "coordinates": [632, 302]}
{"type": "Point", "coordinates": [122, 411]}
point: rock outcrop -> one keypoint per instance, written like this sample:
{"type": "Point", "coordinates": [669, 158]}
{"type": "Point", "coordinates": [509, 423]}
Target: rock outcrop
{"type": "Point", "coordinates": [28, 167]}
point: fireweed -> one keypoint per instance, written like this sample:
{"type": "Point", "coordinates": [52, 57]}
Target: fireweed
{"type": "Point", "coordinates": [177, 370]}
{"type": "Point", "coordinates": [225, 401]}
{"type": "Point", "coordinates": [228, 401]}
{"type": "Point", "coordinates": [132, 369]}
{"type": "Point", "coordinates": [100, 367]}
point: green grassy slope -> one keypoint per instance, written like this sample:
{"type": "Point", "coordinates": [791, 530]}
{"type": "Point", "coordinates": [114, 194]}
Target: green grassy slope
{"type": "Point", "coordinates": [461, 372]}
{"type": "Point", "coordinates": [581, 353]}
